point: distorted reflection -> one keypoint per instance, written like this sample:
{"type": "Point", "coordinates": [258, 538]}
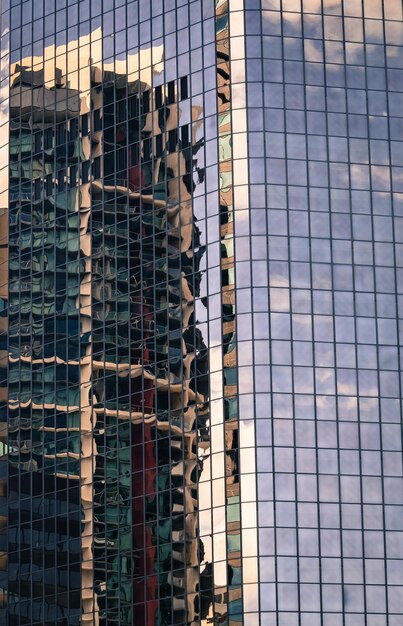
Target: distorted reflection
{"type": "Point", "coordinates": [107, 367]}
{"type": "Point", "coordinates": [149, 383]}
{"type": "Point", "coordinates": [46, 346]}
{"type": "Point", "coordinates": [228, 605]}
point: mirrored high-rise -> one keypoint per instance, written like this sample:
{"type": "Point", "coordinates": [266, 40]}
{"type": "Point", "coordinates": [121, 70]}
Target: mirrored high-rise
{"type": "Point", "coordinates": [200, 294]}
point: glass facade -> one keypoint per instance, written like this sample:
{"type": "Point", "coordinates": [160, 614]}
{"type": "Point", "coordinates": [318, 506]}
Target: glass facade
{"type": "Point", "coordinates": [201, 246]}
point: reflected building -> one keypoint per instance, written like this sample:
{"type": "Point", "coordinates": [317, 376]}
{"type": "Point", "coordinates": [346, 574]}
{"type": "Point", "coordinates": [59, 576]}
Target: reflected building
{"type": "Point", "coordinates": [200, 285]}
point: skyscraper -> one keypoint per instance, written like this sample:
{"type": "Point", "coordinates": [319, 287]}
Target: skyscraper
{"type": "Point", "coordinates": [201, 244]}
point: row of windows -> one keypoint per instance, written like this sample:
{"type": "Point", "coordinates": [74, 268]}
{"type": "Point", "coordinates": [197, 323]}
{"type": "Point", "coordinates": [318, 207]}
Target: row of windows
{"type": "Point", "coordinates": [43, 29]}
{"type": "Point", "coordinates": [278, 170]}
{"type": "Point", "coordinates": [308, 310]}
{"type": "Point", "coordinates": [117, 112]}
{"type": "Point", "coordinates": [125, 13]}
{"type": "Point", "coordinates": [295, 441]}
{"type": "Point", "coordinates": [308, 73]}
{"type": "Point", "coordinates": [347, 356]}
{"type": "Point", "coordinates": [330, 28]}
{"type": "Point", "coordinates": [289, 11]}
{"type": "Point", "coordinates": [115, 167]}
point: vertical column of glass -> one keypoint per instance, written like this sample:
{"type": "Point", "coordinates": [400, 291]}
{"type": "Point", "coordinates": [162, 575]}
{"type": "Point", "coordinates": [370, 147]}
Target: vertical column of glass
{"type": "Point", "coordinates": [4, 300]}
{"type": "Point", "coordinates": [111, 235]}
{"type": "Point", "coordinates": [150, 400]}
{"type": "Point", "coordinates": [45, 340]}
{"type": "Point", "coordinates": [253, 376]}
{"type": "Point", "coordinates": [233, 593]}
{"type": "Point", "coordinates": [206, 317]}
{"type": "Point", "coordinates": [79, 130]}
